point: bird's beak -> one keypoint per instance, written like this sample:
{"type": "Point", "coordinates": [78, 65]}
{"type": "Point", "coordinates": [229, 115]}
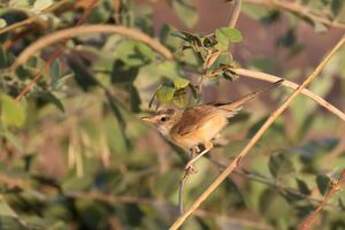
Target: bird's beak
{"type": "Point", "coordinates": [147, 119]}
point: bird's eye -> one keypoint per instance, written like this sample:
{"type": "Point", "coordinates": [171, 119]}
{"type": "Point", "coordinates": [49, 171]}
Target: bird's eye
{"type": "Point", "coordinates": [163, 119]}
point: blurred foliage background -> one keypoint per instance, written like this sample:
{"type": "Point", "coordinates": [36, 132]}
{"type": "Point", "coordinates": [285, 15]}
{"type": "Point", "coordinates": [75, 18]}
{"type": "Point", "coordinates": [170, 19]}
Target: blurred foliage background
{"type": "Point", "coordinates": [75, 155]}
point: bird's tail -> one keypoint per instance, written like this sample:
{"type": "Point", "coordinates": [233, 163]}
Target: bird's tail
{"type": "Point", "coordinates": [236, 105]}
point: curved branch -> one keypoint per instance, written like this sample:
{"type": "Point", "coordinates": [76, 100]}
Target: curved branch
{"type": "Point", "coordinates": [236, 162]}
{"type": "Point", "coordinates": [81, 30]}
{"type": "Point", "coordinates": [298, 9]}
{"type": "Point", "coordinates": [292, 85]}
{"type": "Point", "coordinates": [235, 13]}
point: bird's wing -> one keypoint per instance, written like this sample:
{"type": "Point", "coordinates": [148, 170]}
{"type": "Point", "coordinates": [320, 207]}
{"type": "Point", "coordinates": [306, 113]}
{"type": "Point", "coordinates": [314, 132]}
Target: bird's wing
{"type": "Point", "coordinates": [193, 118]}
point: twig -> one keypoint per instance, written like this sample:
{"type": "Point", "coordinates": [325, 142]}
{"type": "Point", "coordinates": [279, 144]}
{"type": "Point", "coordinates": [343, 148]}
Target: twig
{"type": "Point", "coordinates": [183, 181]}
{"type": "Point", "coordinates": [234, 164]}
{"type": "Point", "coordinates": [334, 188]}
{"type": "Point", "coordinates": [81, 30]}
{"type": "Point", "coordinates": [29, 86]}
{"type": "Point", "coordinates": [271, 78]}
{"type": "Point", "coordinates": [298, 9]}
{"type": "Point", "coordinates": [235, 13]}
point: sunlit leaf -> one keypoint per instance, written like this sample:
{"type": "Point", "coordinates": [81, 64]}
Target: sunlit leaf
{"type": "Point", "coordinates": [40, 5]}
{"type": "Point", "coordinates": [12, 111]}
{"type": "Point", "coordinates": [165, 93]}
{"type": "Point", "coordinates": [227, 35]}
{"type": "Point", "coordinates": [3, 23]}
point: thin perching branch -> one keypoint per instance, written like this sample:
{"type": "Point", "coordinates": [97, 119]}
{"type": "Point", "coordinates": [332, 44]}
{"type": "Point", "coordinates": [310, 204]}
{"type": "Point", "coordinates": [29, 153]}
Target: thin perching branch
{"type": "Point", "coordinates": [298, 9]}
{"type": "Point", "coordinates": [272, 78]}
{"type": "Point", "coordinates": [235, 163]}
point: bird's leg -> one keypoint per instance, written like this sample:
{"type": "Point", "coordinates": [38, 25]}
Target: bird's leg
{"type": "Point", "coordinates": [193, 152]}
{"type": "Point", "coordinates": [208, 146]}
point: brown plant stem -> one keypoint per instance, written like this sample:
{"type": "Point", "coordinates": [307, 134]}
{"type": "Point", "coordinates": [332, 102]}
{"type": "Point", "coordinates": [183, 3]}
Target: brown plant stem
{"type": "Point", "coordinates": [89, 29]}
{"type": "Point", "coordinates": [235, 13]}
{"type": "Point", "coordinates": [272, 78]}
{"type": "Point", "coordinates": [234, 164]}
{"type": "Point", "coordinates": [298, 9]}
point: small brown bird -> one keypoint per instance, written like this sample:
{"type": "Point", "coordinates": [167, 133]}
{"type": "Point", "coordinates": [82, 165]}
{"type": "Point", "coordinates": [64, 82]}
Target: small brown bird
{"type": "Point", "coordinates": [199, 125]}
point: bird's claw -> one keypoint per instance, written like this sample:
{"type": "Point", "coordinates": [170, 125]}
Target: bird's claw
{"type": "Point", "coordinates": [190, 169]}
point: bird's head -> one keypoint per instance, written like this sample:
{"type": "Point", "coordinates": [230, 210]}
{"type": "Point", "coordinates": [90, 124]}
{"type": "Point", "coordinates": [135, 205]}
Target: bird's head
{"type": "Point", "coordinates": [164, 119]}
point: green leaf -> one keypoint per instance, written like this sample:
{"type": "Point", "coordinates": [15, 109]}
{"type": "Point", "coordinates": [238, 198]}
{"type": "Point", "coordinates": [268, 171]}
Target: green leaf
{"type": "Point", "coordinates": [12, 112]}
{"type": "Point", "coordinates": [168, 69]}
{"type": "Point", "coordinates": [165, 93]}
{"type": "Point", "coordinates": [5, 209]}
{"type": "Point", "coordinates": [55, 70]}
{"type": "Point", "coordinates": [134, 53]}
{"type": "Point", "coordinates": [168, 39]}
{"type": "Point", "coordinates": [303, 187]}
{"type": "Point", "coordinates": [180, 83]}
{"type": "Point", "coordinates": [3, 23]}
{"type": "Point", "coordinates": [227, 35]}
{"type": "Point", "coordinates": [181, 98]}
{"type": "Point", "coordinates": [82, 74]}
{"type": "Point", "coordinates": [280, 164]}
{"type": "Point", "coordinates": [336, 6]}
{"type": "Point", "coordinates": [4, 61]}
{"type": "Point", "coordinates": [51, 98]}
{"type": "Point", "coordinates": [40, 5]}
{"type": "Point", "coordinates": [323, 183]}
{"type": "Point", "coordinates": [20, 3]}
{"type": "Point", "coordinates": [186, 11]}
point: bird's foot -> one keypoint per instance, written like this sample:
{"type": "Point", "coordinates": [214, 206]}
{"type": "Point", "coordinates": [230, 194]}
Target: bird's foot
{"type": "Point", "coordinates": [190, 169]}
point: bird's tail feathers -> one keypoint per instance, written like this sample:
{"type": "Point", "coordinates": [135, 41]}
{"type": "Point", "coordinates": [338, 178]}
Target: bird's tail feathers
{"type": "Point", "coordinates": [236, 105]}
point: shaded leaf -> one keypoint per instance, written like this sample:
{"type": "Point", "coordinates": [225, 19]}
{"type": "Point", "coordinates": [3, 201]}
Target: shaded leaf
{"type": "Point", "coordinates": [280, 164]}
{"type": "Point", "coordinates": [323, 183]}
{"type": "Point", "coordinates": [82, 74]}
{"type": "Point", "coordinates": [303, 187]}
{"type": "Point", "coordinates": [51, 98]}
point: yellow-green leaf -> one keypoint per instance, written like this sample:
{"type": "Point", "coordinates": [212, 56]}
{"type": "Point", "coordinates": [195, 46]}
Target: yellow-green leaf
{"type": "Point", "coordinates": [165, 93]}
{"type": "Point", "coordinates": [12, 113]}
{"type": "Point", "coordinates": [180, 83]}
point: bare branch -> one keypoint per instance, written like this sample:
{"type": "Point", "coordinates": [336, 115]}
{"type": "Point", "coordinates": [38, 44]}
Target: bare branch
{"type": "Point", "coordinates": [235, 13]}
{"type": "Point", "coordinates": [298, 9]}
{"type": "Point", "coordinates": [81, 30]}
